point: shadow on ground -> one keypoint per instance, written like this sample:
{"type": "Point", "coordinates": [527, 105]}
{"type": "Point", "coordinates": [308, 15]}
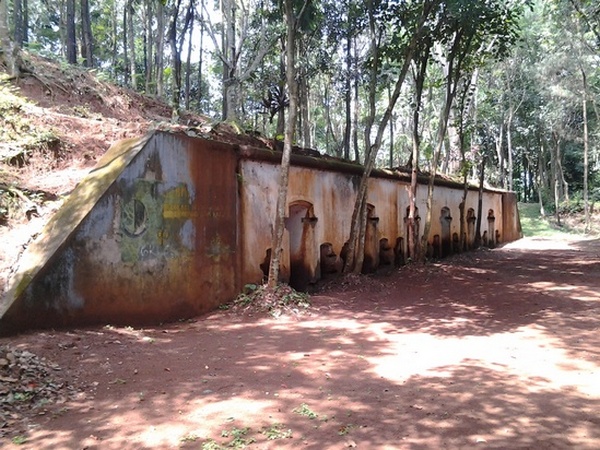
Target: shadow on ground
{"type": "Point", "coordinates": [497, 349]}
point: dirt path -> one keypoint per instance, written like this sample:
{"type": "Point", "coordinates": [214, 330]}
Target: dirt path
{"type": "Point", "coordinates": [496, 349]}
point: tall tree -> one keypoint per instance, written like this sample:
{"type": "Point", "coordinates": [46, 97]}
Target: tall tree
{"type": "Point", "coordinates": [239, 54]}
{"type": "Point", "coordinates": [21, 22]}
{"type": "Point", "coordinates": [408, 23]}
{"type": "Point", "coordinates": [471, 31]}
{"type": "Point", "coordinates": [130, 11]}
{"type": "Point", "coordinates": [9, 52]}
{"type": "Point", "coordinates": [71, 37]}
{"type": "Point", "coordinates": [292, 19]}
{"type": "Point", "coordinates": [87, 36]}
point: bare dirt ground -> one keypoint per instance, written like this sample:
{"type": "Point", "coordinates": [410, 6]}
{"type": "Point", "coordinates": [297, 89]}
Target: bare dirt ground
{"type": "Point", "coordinates": [494, 349]}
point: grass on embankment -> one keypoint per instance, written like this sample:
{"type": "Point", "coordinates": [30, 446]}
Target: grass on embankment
{"type": "Point", "coordinates": [533, 224]}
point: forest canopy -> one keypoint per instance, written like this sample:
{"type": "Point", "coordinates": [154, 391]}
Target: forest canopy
{"type": "Point", "coordinates": [449, 87]}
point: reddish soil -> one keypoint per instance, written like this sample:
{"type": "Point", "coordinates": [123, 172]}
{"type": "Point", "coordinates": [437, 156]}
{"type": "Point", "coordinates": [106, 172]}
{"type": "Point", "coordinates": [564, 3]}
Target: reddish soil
{"type": "Point", "coordinates": [494, 349]}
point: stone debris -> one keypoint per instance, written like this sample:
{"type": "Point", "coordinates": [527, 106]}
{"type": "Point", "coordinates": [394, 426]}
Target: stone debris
{"type": "Point", "coordinates": [28, 384]}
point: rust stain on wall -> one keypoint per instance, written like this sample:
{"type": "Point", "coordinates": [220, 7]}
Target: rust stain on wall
{"type": "Point", "coordinates": [181, 224]}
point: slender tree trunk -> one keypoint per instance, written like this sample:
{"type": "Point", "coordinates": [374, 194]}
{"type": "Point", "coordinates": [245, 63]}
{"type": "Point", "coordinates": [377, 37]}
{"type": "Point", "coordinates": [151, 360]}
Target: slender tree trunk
{"type": "Point", "coordinates": [201, 56]}
{"type": "Point", "coordinates": [480, 204]}
{"type": "Point", "coordinates": [499, 141]}
{"type": "Point", "coordinates": [541, 177]}
{"type": "Point", "coordinates": [451, 84]}
{"type": "Point", "coordinates": [86, 34]}
{"type": "Point", "coordinates": [71, 43]}
{"type": "Point", "coordinates": [355, 109]}
{"type": "Point", "coordinates": [131, 44]}
{"type": "Point", "coordinates": [25, 22]}
{"type": "Point", "coordinates": [160, 50]}
{"type": "Point", "coordinates": [18, 22]}
{"type": "Point", "coordinates": [556, 177]}
{"type": "Point", "coordinates": [176, 57]}
{"type": "Point", "coordinates": [391, 134]}
{"type": "Point", "coordinates": [21, 22]}
{"type": "Point", "coordinates": [149, 52]}
{"type": "Point", "coordinates": [229, 50]}
{"type": "Point", "coordinates": [279, 226]}
{"type": "Point", "coordinates": [586, 203]}
{"type": "Point", "coordinates": [188, 60]}
{"type": "Point", "coordinates": [127, 74]}
{"type": "Point", "coordinates": [412, 230]}
{"type": "Point", "coordinates": [509, 150]}
{"type": "Point", "coordinates": [356, 243]}
{"type": "Point", "coordinates": [9, 52]}
{"type": "Point", "coordinates": [348, 97]}
{"type": "Point", "coordinates": [304, 96]}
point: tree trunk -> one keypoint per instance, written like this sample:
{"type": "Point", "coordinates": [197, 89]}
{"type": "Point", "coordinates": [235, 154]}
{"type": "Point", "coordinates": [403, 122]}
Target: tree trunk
{"type": "Point", "coordinates": [279, 226]}
{"type": "Point", "coordinates": [160, 50]}
{"type": "Point", "coordinates": [86, 34]}
{"type": "Point", "coordinates": [509, 150]}
{"type": "Point", "coordinates": [541, 176]}
{"type": "Point", "coordinates": [556, 185]}
{"type": "Point", "coordinates": [230, 84]}
{"type": "Point", "coordinates": [586, 203]}
{"type": "Point", "coordinates": [188, 60]}
{"type": "Point", "coordinates": [480, 204]}
{"type": "Point", "coordinates": [25, 23]}
{"type": "Point", "coordinates": [131, 44]}
{"type": "Point", "coordinates": [9, 52]}
{"type": "Point", "coordinates": [71, 42]}
{"type": "Point", "coordinates": [355, 109]}
{"type": "Point", "coordinates": [391, 134]}
{"type": "Point", "coordinates": [304, 100]}
{"type": "Point", "coordinates": [176, 56]}
{"type": "Point", "coordinates": [18, 23]}
{"type": "Point", "coordinates": [499, 141]}
{"type": "Point", "coordinates": [412, 230]}
{"type": "Point", "coordinates": [347, 97]}
{"type": "Point", "coordinates": [452, 79]}
{"type": "Point", "coordinates": [355, 249]}
{"type": "Point", "coordinates": [149, 52]}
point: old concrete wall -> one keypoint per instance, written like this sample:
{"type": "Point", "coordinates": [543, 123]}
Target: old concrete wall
{"type": "Point", "coordinates": [159, 243]}
{"type": "Point", "coordinates": [328, 197]}
{"type": "Point", "coordinates": [168, 226]}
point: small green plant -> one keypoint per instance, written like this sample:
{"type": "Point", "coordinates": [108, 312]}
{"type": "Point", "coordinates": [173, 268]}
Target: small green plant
{"type": "Point", "coordinates": [22, 396]}
{"type": "Point", "coordinates": [211, 444]}
{"type": "Point", "coordinates": [304, 410]}
{"type": "Point", "coordinates": [189, 438]}
{"type": "Point", "coordinates": [19, 440]}
{"type": "Point", "coordinates": [277, 431]}
{"type": "Point", "coordinates": [239, 437]}
{"type": "Point", "coordinates": [238, 440]}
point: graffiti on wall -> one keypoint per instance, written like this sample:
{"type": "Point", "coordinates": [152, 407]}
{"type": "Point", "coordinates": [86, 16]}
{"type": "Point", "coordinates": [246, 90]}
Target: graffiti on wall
{"type": "Point", "coordinates": [155, 225]}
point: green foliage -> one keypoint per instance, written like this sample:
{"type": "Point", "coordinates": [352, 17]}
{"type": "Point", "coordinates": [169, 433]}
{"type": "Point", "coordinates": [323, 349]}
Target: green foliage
{"type": "Point", "coordinates": [305, 411]}
{"type": "Point", "coordinates": [533, 224]}
{"type": "Point", "coordinates": [277, 431]}
{"type": "Point", "coordinates": [19, 440]}
{"type": "Point", "coordinates": [237, 439]}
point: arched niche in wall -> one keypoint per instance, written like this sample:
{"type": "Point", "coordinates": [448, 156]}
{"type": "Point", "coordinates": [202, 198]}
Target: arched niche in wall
{"type": "Point", "coordinates": [371, 259]}
{"type": "Point", "coordinates": [446, 237]}
{"type": "Point", "coordinates": [491, 230]}
{"type": "Point", "coordinates": [471, 219]}
{"type": "Point", "coordinates": [301, 223]}
{"type": "Point", "coordinates": [331, 264]}
{"type": "Point", "coordinates": [386, 253]}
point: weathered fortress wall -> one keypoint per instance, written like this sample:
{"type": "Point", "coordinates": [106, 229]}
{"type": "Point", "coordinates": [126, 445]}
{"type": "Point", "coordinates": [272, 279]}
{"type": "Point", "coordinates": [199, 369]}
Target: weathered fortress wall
{"type": "Point", "coordinates": [168, 226]}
